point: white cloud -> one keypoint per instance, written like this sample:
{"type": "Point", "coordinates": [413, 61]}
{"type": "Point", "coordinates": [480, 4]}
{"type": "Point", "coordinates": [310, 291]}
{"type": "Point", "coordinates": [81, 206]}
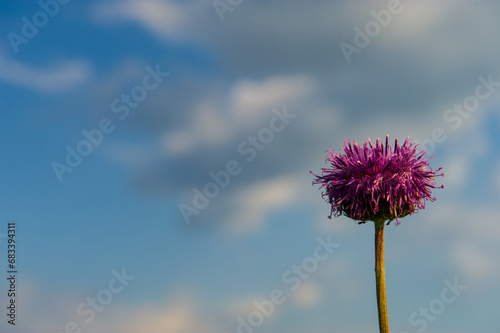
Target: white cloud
{"type": "Point", "coordinates": [473, 262]}
{"type": "Point", "coordinates": [164, 18]}
{"type": "Point", "coordinates": [207, 127]}
{"type": "Point", "coordinates": [178, 142]}
{"type": "Point", "coordinates": [60, 77]}
{"type": "Point", "coordinates": [252, 205]}
{"type": "Point", "coordinates": [210, 125]}
{"type": "Point", "coordinates": [420, 17]}
{"type": "Point", "coordinates": [308, 295]}
{"type": "Point", "coordinates": [248, 101]}
{"type": "Point", "coordinates": [179, 314]}
{"type": "Point", "coordinates": [251, 97]}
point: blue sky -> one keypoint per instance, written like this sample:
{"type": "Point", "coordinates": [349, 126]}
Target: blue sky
{"type": "Point", "coordinates": [269, 86]}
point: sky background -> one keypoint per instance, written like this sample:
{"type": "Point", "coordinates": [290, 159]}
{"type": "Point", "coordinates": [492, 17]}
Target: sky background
{"type": "Point", "coordinates": [118, 209]}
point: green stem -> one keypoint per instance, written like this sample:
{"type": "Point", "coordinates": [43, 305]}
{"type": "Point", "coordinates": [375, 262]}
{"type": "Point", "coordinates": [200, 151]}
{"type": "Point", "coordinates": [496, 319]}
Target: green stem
{"type": "Point", "coordinates": [383, 318]}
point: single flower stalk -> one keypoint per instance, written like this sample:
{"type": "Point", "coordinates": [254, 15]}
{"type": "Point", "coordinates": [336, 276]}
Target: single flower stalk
{"type": "Point", "coordinates": [378, 183]}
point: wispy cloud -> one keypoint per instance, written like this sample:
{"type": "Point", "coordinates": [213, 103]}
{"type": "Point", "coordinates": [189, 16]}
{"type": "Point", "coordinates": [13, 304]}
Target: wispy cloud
{"type": "Point", "coordinates": [56, 78]}
{"type": "Point", "coordinates": [251, 206]}
{"type": "Point", "coordinates": [166, 19]}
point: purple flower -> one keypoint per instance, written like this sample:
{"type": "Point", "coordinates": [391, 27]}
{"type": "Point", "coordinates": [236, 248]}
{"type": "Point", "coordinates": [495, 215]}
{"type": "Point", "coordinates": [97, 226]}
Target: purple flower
{"type": "Point", "coordinates": [372, 183]}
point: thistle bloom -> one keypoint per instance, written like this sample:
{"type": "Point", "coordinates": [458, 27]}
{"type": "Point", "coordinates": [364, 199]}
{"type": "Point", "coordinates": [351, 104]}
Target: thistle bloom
{"type": "Point", "coordinates": [378, 184]}
{"type": "Point", "coordinates": [371, 183]}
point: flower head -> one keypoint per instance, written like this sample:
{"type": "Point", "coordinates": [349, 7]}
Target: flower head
{"type": "Point", "coordinates": [371, 183]}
